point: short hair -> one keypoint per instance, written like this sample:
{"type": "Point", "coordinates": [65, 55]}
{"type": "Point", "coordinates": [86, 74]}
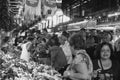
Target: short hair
{"type": "Point", "coordinates": [98, 50]}
{"type": "Point", "coordinates": [53, 41]}
{"type": "Point", "coordinates": [77, 41]}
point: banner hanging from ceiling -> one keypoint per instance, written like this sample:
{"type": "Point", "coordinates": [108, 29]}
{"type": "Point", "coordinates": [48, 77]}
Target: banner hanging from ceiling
{"type": "Point", "coordinates": [58, 1]}
{"type": "Point", "coordinates": [49, 7]}
{"type": "Point", "coordinates": [32, 9]}
{"type": "Point", "coordinates": [32, 3]}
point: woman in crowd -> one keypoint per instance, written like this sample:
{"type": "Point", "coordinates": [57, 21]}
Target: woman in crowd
{"type": "Point", "coordinates": [81, 66]}
{"type": "Point", "coordinates": [63, 39]}
{"type": "Point", "coordinates": [105, 67]}
{"type": "Point", "coordinates": [58, 59]}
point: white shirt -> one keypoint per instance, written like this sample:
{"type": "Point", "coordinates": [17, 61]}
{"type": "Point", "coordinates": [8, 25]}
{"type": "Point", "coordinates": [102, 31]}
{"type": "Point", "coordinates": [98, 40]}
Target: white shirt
{"type": "Point", "coordinates": [25, 55]}
{"type": "Point", "coordinates": [67, 51]}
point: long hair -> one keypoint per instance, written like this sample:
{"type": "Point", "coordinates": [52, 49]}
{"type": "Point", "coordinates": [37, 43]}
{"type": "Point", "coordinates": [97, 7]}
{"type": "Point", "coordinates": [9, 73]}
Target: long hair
{"type": "Point", "coordinates": [98, 50]}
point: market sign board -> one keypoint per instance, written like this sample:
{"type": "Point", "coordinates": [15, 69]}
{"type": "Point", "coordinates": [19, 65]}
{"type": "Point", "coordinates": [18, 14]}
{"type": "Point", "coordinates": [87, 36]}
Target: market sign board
{"type": "Point", "coordinates": [58, 1]}
{"type": "Point", "coordinates": [33, 3]}
{"type": "Point", "coordinates": [50, 3]}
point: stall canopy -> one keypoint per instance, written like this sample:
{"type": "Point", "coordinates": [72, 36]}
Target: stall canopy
{"type": "Point", "coordinates": [88, 24]}
{"type": "Point", "coordinates": [75, 25]}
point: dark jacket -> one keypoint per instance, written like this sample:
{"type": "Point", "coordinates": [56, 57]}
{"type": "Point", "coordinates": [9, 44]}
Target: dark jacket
{"type": "Point", "coordinates": [58, 58]}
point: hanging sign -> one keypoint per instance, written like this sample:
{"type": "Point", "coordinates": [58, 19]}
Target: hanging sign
{"type": "Point", "coordinates": [50, 3]}
{"type": "Point", "coordinates": [33, 3]}
{"type": "Point", "coordinates": [32, 9]}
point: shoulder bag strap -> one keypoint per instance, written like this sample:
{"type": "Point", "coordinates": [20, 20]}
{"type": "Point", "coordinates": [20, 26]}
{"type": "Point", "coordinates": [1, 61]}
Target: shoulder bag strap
{"type": "Point", "coordinates": [102, 68]}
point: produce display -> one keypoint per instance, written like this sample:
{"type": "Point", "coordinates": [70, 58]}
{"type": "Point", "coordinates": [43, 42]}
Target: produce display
{"type": "Point", "coordinates": [13, 68]}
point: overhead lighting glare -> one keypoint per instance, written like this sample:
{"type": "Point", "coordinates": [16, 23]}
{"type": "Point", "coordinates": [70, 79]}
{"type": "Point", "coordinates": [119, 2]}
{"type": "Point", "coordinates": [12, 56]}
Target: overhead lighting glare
{"type": "Point", "coordinates": [115, 14]}
{"type": "Point", "coordinates": [85, 1]}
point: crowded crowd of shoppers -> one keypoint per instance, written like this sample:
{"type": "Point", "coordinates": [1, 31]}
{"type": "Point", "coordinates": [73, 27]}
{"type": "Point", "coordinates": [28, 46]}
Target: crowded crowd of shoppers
{"type": "Point", "coordinates": [82, 55]}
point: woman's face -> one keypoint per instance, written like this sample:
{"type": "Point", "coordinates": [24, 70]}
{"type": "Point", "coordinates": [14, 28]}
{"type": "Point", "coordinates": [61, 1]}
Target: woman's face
{"type": "Point", "coordinates": [105, 52]}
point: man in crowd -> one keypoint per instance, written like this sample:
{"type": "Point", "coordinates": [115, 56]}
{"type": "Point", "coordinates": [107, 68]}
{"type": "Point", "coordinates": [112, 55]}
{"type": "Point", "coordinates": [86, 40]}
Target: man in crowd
{"type": "Point", "coordinates": [63, 39]}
